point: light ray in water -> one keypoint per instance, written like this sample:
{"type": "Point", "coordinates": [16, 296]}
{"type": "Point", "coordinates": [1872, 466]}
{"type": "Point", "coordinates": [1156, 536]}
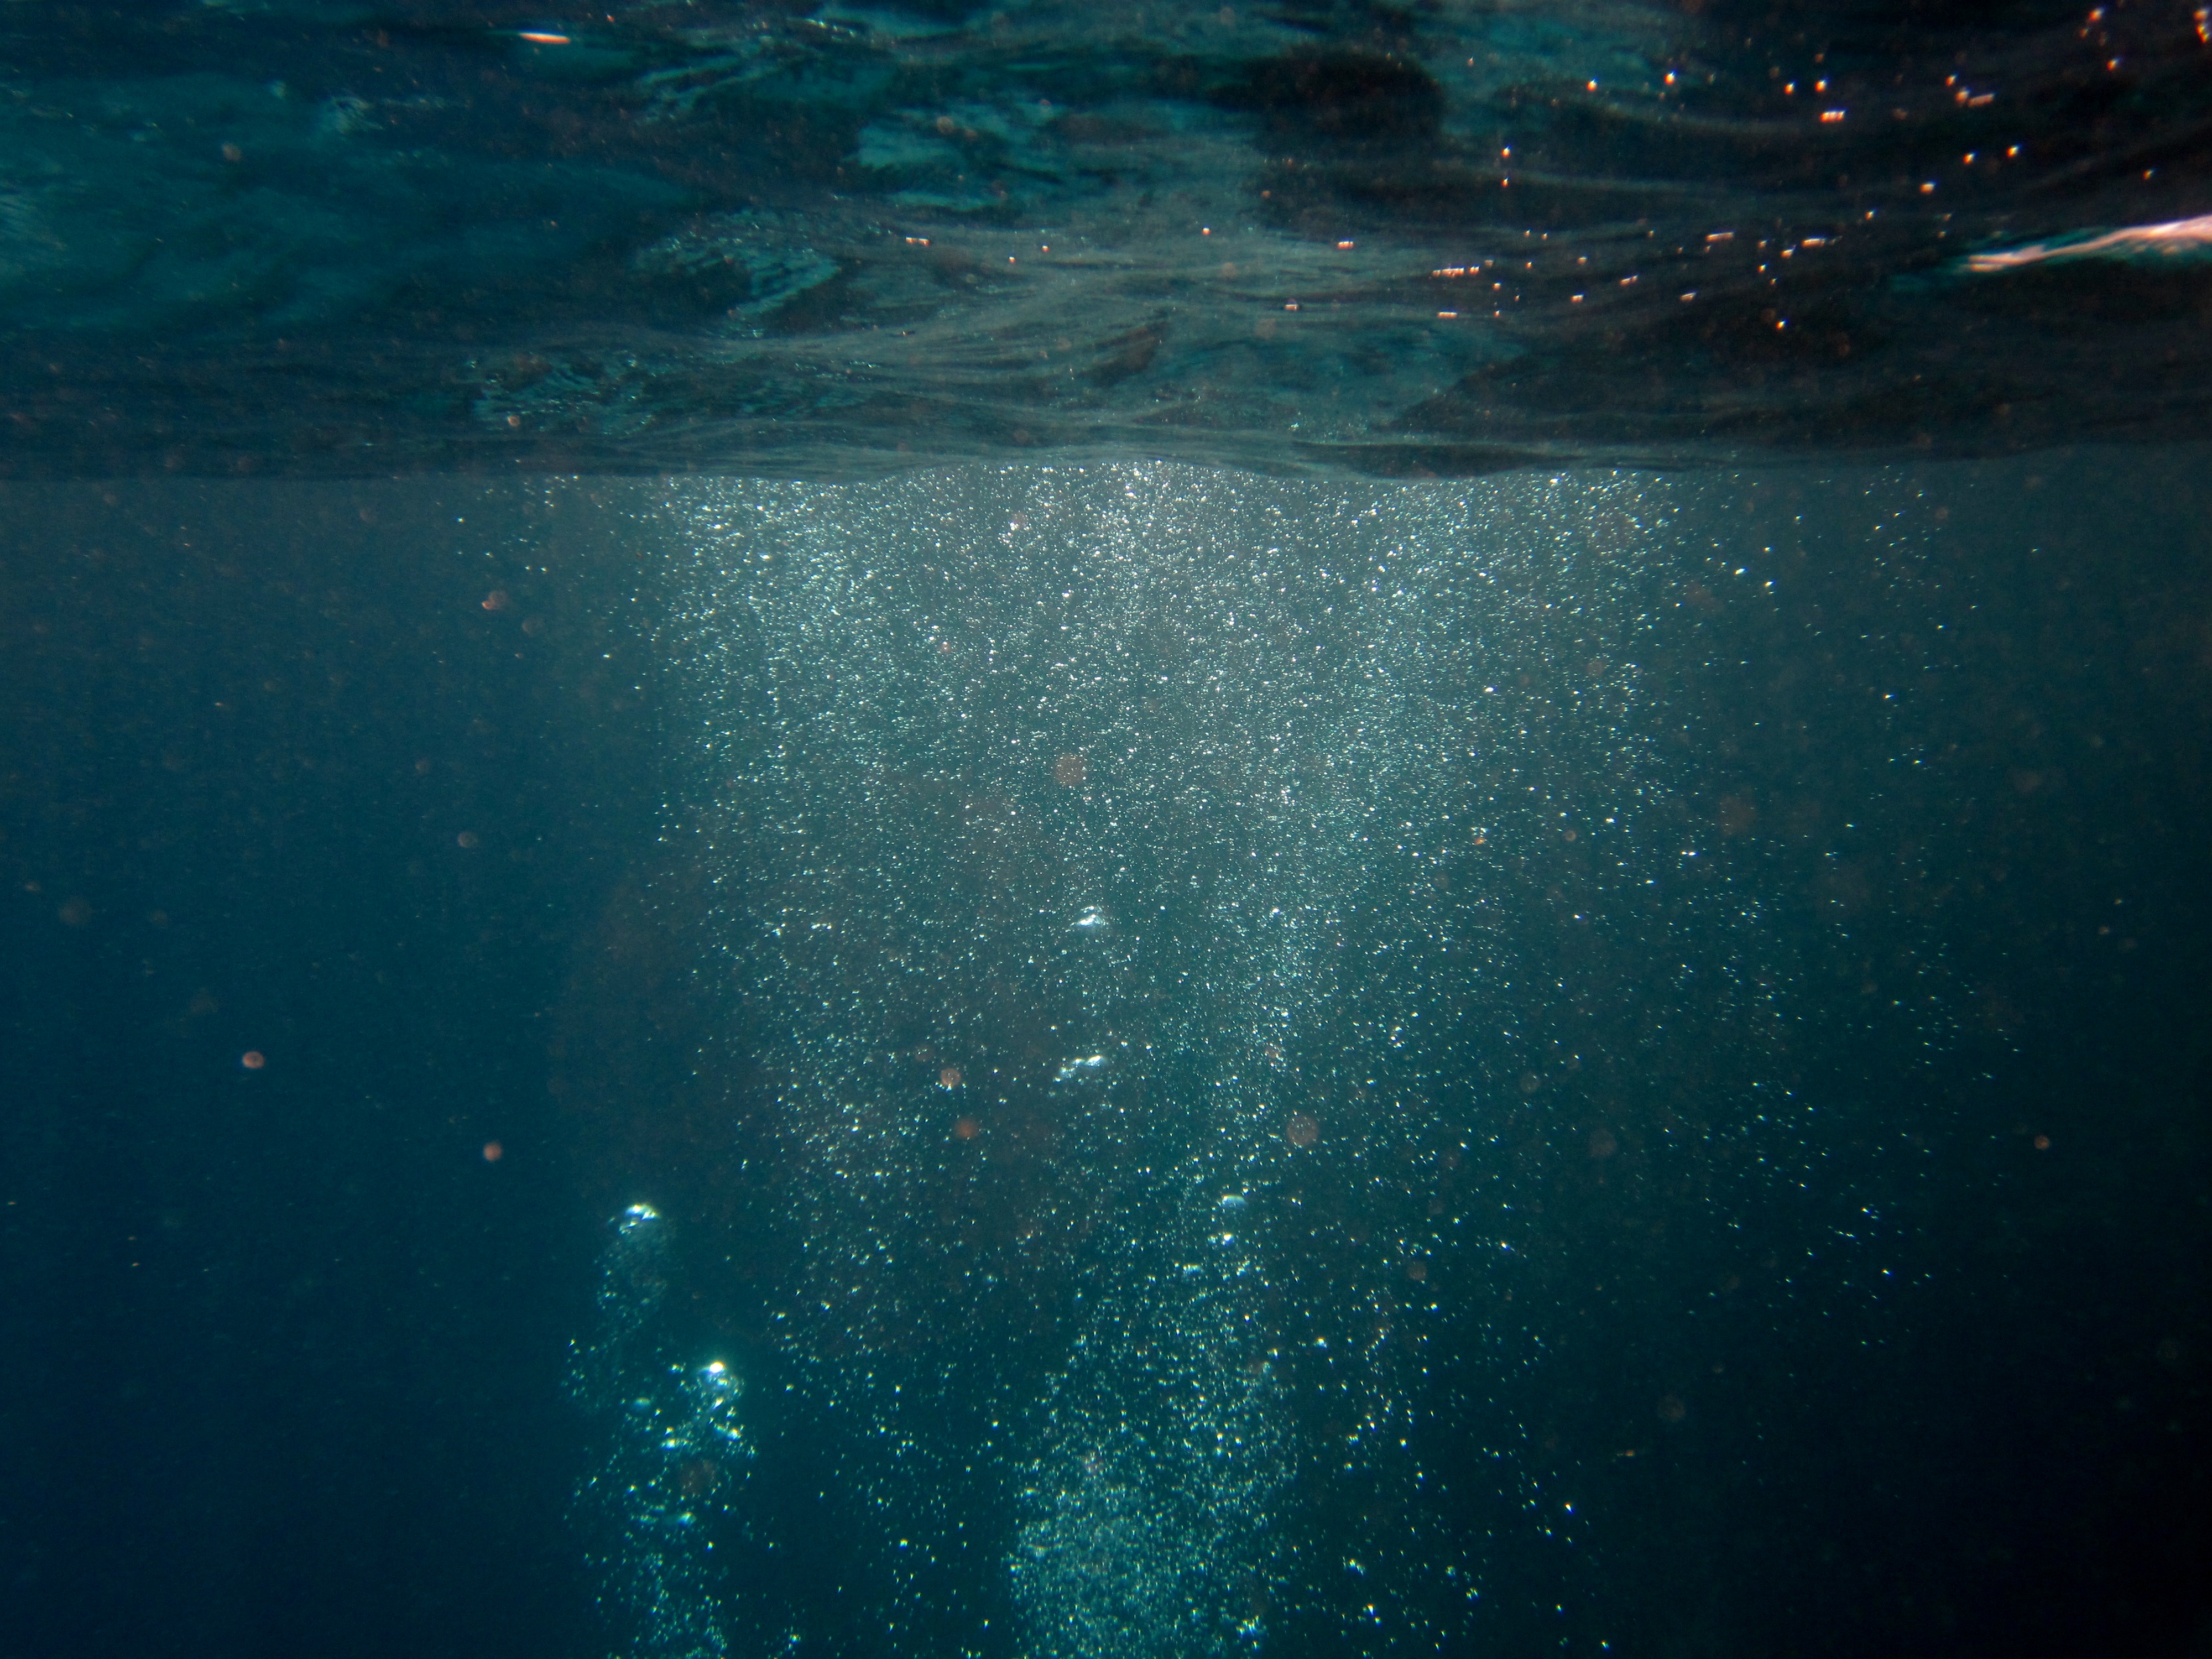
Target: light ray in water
{"type": "Point", "coordinates": [1284, 698]}
{"type": "Point", "coordinates": [2177, 239]}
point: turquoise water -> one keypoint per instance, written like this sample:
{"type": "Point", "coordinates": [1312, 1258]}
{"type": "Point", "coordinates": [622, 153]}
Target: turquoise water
{"type": "Point", "coordinates": [344, 239]}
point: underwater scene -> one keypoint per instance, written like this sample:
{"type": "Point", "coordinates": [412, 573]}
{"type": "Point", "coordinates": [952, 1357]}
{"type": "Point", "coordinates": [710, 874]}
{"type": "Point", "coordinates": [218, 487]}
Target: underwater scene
{"type": "Point", "coordinates": [1111, 832]}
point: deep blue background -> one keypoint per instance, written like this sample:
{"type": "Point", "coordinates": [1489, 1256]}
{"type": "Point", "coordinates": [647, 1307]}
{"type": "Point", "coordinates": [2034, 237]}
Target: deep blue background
{"type": "Point", "coordinates": [280, 1352]}
{"type": "Point", "coordinates": [283, 1349]}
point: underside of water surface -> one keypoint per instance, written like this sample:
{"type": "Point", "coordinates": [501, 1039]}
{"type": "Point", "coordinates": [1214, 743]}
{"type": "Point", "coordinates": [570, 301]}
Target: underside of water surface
{"type": "Point", "coordinates": [340, 237]}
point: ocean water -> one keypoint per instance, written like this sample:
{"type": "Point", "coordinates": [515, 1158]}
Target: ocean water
{"type": "Point", "coordinates": [729, 934]}
{"type": "Point", "coordinates": [347, 238]}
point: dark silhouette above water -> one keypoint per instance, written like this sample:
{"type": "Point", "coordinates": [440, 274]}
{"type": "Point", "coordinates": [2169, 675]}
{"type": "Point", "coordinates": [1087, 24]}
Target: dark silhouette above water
{"type": "Point", "coordinates": [310, 236]}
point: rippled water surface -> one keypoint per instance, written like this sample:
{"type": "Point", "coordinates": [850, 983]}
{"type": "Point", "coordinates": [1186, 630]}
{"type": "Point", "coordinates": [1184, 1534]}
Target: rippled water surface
{"type": "Point", "coordinates": [324, 237]}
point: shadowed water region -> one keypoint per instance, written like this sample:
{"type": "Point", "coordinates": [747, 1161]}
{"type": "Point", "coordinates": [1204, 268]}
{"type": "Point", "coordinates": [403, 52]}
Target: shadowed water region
{"type": "Point", "coordinates": [354, 237]}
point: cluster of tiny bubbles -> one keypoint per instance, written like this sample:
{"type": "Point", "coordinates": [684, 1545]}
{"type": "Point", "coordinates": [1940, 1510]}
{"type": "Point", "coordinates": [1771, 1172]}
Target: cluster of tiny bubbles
{"type": "Point", "coordinates": [1139, 859]}
{"type": "Point", "coordinates": [670, 1450]}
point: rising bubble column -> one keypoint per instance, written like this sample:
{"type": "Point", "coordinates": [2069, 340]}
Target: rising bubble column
{"type": "Point", "coordinates": [670, 1450]}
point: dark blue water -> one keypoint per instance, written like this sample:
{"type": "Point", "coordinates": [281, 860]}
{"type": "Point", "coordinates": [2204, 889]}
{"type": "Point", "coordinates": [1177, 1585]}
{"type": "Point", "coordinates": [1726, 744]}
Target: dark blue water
{"type": "Point", "coordinates": [1603, 1062]}
{"type": "Point", "coordinates": [1104, 833]}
